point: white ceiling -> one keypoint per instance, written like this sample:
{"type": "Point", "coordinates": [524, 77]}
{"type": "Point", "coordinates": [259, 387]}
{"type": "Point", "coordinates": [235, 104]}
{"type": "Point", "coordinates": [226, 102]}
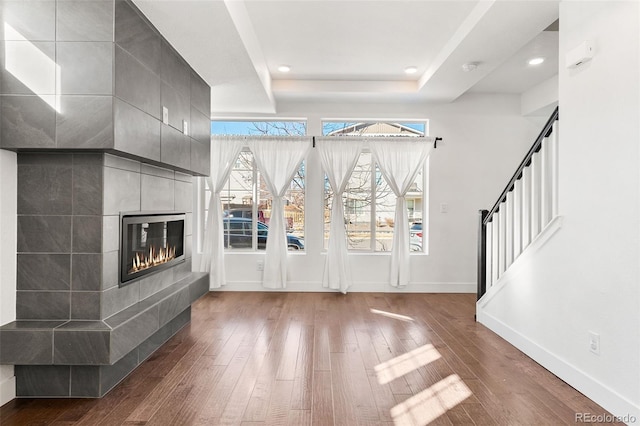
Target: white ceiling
{"type": "Point", "coordinates": [357, 50]}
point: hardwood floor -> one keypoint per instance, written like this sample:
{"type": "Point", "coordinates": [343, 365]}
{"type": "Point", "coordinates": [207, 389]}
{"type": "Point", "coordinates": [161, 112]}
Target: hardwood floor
{"type": "Point", "coordinates": [326, 359]}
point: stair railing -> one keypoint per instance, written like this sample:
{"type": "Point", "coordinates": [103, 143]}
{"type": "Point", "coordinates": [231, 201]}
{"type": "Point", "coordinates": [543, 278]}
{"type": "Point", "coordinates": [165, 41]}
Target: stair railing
{"type": "Point", "coordinates": [525, 207]}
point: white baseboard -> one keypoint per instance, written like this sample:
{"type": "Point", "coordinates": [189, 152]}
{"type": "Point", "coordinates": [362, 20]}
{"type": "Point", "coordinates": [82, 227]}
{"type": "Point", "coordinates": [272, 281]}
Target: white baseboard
{"type": "Point", "coordinates": [7, 390]}
{"type": "Point", "coordinates": [357, 287]}
{"type": "Point", "coordinates": [587, 385]}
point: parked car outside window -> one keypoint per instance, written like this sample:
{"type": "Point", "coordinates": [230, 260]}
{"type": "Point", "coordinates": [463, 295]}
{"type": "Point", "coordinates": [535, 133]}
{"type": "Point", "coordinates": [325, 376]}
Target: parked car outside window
{"type": "Point", "coordinates": [415, 236]}
{"type": "Point", "coordinates": [238, 234]}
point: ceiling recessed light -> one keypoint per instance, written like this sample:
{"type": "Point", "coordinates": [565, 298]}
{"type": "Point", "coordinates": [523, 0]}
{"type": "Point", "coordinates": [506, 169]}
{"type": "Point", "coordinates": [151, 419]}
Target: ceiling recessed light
{"type": "Point", "coordinates": [536, 61]}
{"type": "Point", "coordinates": [411, 70]}
{"type": "Point", "coordinates": [284, 68]}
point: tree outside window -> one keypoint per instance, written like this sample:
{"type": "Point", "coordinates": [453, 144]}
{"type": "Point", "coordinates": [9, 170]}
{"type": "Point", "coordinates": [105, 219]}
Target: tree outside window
{"type": "Point", "coordinates": [246, 196]}
{"type": "Point", "coordinates": [368, 200]}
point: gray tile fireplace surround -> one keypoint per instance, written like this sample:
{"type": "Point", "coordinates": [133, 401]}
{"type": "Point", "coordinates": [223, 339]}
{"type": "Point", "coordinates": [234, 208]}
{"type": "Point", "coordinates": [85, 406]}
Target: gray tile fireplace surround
{"type": "Point", "coordinates": [78, 333]}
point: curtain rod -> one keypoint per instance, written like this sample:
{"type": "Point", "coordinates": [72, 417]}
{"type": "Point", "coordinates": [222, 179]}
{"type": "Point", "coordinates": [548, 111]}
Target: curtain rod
{"type": "Point", "coordinates": [435, 142]}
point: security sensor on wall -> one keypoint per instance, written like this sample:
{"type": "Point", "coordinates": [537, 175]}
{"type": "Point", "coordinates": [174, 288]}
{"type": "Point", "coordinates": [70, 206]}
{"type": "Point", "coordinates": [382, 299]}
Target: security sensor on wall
{"type": "Point", "coordinates": [578, 56]}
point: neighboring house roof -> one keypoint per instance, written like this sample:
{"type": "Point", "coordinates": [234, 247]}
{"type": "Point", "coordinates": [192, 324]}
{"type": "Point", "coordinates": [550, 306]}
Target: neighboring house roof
{"type": "Point", "coordinates": [377, 129]}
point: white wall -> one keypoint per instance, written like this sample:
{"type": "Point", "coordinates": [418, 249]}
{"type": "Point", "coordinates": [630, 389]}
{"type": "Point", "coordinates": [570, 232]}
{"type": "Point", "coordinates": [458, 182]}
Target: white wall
{"type": "Point", "coordinates": [8, 224]}
{"type": "Point", "coordinates": [541, 99]}
{"type": "Point", "coordinates": [586, 277]}
{"type": "Point", "coordinates": [485, 138]}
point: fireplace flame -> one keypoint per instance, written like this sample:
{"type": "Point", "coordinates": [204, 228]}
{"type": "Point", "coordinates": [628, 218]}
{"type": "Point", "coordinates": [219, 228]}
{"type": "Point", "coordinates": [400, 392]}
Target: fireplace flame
{"type": "Point", "coordinates": [153, 258]}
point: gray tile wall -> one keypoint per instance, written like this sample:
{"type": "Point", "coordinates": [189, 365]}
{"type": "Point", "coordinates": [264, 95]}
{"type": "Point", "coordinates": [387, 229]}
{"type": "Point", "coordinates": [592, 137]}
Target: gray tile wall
{"type": "Point", "coordinates": [27, 122]}
{"type": "Point", "coordinates": [33, 346]}
{"type": "Point", "coordinates": [69, 227]}
{"type": "Point", "coordinates": [81, 342]}
{"type": "Point", "coordinates": [10, 75]}
{"type": "Point", "coordinates": [87, 122]}
{"type": "Point", "coordinates": [74, 42]}
{"type": "Point", "coordinates": [131, 186]}
{"type": "Point", "coordinates": [78, 60]}
{"type": "Point", "coordinates": [136, 132]}
{"type": "Point", "coordinates": [175, 148]}
{"type": "Point", "coordinates": [135, 34]}
{"type": "Point", "coordinates": [201, 125]}
{"type": "Point", "coordinates": [60, 236]}
{"type": "Point", "coordinates": [150, 75]}
{"type": "Point", "coordinates": [115, 73]}
{"type": "Point", "coordinates": [33, 20]}
{"type": "Point", "coordinates": [136, 84]}
{"type": "Point", "coordinates": [30, 380]}
{"type": "Point", "coordinates": [83, 381]}
{"type": "Point", "coordinates": [81, 20]}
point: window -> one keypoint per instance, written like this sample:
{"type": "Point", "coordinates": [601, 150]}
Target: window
{"type": "Point", "coordinates": [246, 202]}
{"type": "Point", "coordinates": [374, 128]}
{"type": "Point", "coordinates": [369, 202]}
{"type": "Point", "coordinates": [257, 128]}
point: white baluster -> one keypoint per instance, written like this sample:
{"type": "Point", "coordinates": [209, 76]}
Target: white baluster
{"type": "Point", "coordinates": [508, 230]}
{"type": "Point", "coordinates": [517, 218]}
{"type": "Point", "coordinates": [546, 195]}
{"type": "Point", "coordinates": [502, 241]}
{"type": "Point", "coordinates": [489, 252]}
{"type": "Point", "coordinates": [527, 197]}
{"type": "Point", "coordinates": [495, 254]}
{"type": "Point", "coordinates": [536, 200]}
{"type": "Point", "coordinates": [553, 150]}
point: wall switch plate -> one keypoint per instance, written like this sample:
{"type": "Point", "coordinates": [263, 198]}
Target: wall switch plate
{"type": "Point", "coordinates": [444, 208]}
{"type": "Point", "coordinates": [185, 127]}
{"type": "Point", "coordinates": [594, 343]}
{"type": "Point", "coordinates": [165, 115]}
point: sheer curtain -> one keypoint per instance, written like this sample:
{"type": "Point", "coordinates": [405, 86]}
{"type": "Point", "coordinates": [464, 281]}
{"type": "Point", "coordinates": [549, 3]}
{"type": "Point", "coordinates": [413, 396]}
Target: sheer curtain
{"type": "Point", "coordinates": [339, 157]}
{"type": "Point", "coordinates": [278, 159]}
{"type": "Point", "coordinates": [224, 151]}
{"type": "Point", "coordinates": [400, 160]}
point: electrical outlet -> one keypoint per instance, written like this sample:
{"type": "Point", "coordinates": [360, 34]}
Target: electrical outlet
{"type": "Point", "coordinates": [444, 208]}
{"type": "Point", "coordinates": [594, 343]}
{"type": "Point", "coordinates": [260, 265]}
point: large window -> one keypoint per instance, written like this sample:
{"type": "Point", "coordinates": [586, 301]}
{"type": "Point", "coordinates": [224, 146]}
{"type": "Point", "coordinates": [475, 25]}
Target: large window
{"type": "Point", "coordinates": [246, 202]}
{"type": "Point", "coordinates": [369, 202]}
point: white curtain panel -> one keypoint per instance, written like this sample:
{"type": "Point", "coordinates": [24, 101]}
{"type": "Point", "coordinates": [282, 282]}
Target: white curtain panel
{"type": "Point", "coordinates": [400, 160]}
{"type": "Point", "coordinates": [339, 157]}
{"type": "Point", "coordinates": [224, 152]}
{"type": "Point", "coordinates": [278, 159]}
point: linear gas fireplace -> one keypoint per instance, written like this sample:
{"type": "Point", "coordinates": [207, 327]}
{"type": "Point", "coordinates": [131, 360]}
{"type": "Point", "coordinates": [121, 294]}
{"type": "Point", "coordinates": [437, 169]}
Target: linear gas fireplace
{"type": "Point", "coordinates": [150, 242]}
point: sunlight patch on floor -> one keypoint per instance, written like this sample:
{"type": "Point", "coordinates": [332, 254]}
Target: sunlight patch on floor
{"type": "Point", "coordinates": [406, 363]}
{"type": "Point", "coordinates": [431, 403]}
{"type": "Point", "coordinates": [391, 315]}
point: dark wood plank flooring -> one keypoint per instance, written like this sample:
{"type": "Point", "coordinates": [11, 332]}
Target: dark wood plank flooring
{"type": "Point", "coordinates": [326, 359]}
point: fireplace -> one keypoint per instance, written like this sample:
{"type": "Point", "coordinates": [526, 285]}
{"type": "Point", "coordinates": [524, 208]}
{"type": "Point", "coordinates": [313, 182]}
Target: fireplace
{"type": "Point", "coordinates": [150, 242]}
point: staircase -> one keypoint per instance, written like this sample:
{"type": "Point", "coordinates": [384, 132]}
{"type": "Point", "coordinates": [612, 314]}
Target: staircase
{"type": "Point", "coordinates": [526, 207]}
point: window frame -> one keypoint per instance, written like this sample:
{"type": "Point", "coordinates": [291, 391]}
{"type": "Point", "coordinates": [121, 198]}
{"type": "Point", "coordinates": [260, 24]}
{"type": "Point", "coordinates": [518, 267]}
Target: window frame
{"type": "Point", "coordinates": [201, 189]}
{"type": "Point", "coordinates": [405, 123]}
{"type": "Point", "coordinates": [372, 249]}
